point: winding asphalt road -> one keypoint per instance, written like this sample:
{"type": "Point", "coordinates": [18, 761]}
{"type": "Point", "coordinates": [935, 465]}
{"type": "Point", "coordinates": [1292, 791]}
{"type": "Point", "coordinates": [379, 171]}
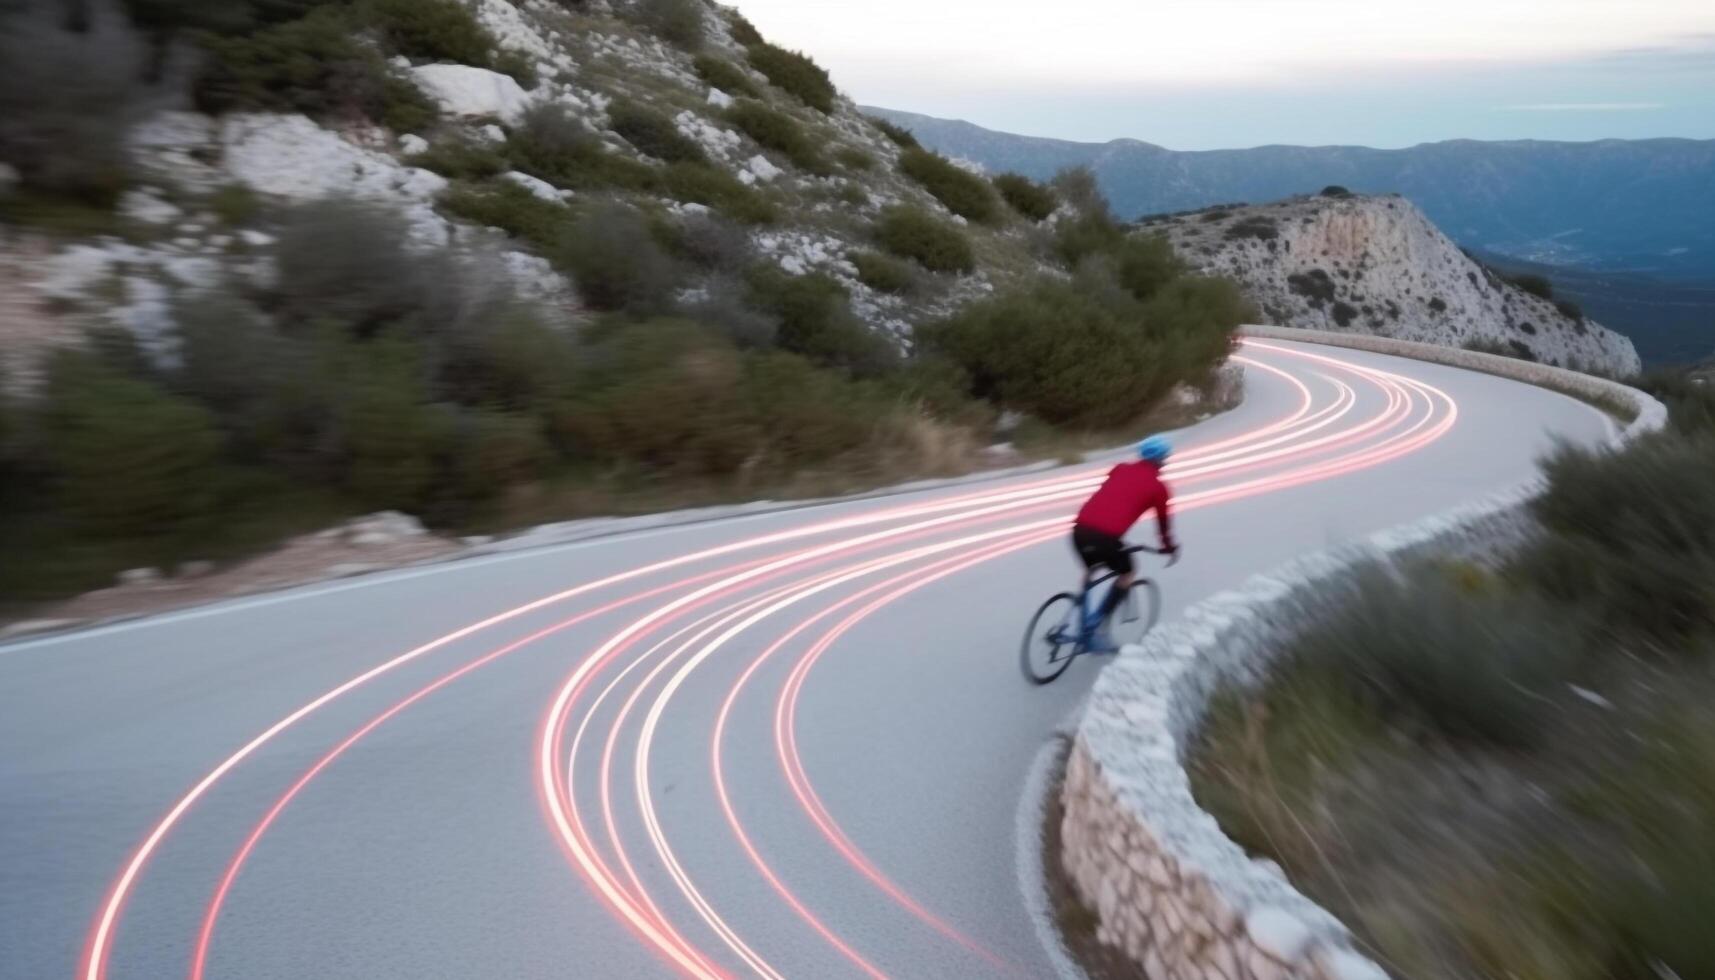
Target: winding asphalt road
{"type": "Point", "coordinates": [779, 745]}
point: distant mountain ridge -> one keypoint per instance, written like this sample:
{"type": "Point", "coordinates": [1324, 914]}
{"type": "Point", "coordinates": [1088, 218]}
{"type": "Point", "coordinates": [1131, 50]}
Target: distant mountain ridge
{"type": "Point", "coordinates": [1632, 205]}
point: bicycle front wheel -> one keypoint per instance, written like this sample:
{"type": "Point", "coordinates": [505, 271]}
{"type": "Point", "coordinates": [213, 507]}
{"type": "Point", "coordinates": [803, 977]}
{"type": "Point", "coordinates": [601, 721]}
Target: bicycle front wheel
{"type": "Point", "coordinates": [1138, 614]}
{"type": "Point", "coordinates": [1051, 640]}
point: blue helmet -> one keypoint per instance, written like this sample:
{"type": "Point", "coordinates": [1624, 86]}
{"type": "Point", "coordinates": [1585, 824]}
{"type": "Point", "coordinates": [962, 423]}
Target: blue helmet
{"type": "Point", "coordinates": [1155, 449]}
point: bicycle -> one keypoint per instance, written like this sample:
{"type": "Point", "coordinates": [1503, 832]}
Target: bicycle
{"type": "Point", "coordinates": [1054, 638]}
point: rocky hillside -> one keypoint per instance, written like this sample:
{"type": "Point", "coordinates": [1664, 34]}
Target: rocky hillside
{"type": "Point", "coordinates": [265, 264]}
{"type": "Point", "coordinates": [1377, 265]}
{"type": "Point", "coordinates": [710, 146]}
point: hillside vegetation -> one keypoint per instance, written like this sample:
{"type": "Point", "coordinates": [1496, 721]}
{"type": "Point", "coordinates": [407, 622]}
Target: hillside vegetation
{"type": "Point", "coordinates": [278, 262]}
{"type": "Point", "coordinates": [1542, 730]}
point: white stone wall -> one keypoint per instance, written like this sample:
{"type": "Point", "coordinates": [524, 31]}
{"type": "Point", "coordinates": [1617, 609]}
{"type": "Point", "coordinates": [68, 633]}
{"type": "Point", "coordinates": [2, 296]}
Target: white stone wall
{"type": "Point", "coordinates": [1167, 885]}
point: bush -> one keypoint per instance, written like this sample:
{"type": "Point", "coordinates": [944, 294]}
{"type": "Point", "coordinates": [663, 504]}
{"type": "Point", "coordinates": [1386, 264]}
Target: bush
{"type": "Point", "coordinates": [552, 144]}
{"type": "Point", "coordinates": [961, 191]}
{"type": "Point", "coordinates": [1089, 234]}
{"type": "Point", "coordinates": [230, 356]}
{"type": "Point", "coordinates": [724, 75]}
{"type": "Point", "coordinates": [726, 308]}
{"type": "Point", "coordinates": [664, 394]}
{"type": "Point", "coordinates": [235, 205]}
{"type": "Point", "coordinates": [462, 158]}
{"type": "Point", "coordinates": [67, 101]}
{"type": "Point", "coordinates": [513, 361]}
{"type": "Point", "coordinates": [743, 32]}
{"type": "Point", "coordinates": [1143, 264]}
{"type": "Point", "coordinates": [388, 435]}
{"type": "Point", "coordinates": [1690, 402]}
{"type": "Point", "coordinates": [883, 273]}
{"type": "Point", "coordinates": [1344, 313]}
{"type": "Point", "coordinates": [714, 243]}
{"type": "Point", "coordinates": [653, 134]}
{"type": "Point", "coordinates": [1632, 535]}
{"type": "Point", "coordinates": [1471, 664]}
{"type": "Point", "coordinates": [126, 457]}
{"type": "Point", "coordinates": [701, 183]}
{"type": "Point", "coordinates": [778, 131]}
{"type": "Point", "coordinates": [432, 30]}
{"type": "Point", "coordinates": [1534, 284]}
{"type": "Point", "coordinates": [616, 262]}
{"type": "Point", "coordinates": [1079, 187]}
{"type": "Point", "coordinates": [488, 452]}
{"type": "Point", "coordinates": [1052, 350]}
{"type": "Point", "coordinates": [1258, 226]}
{"type": "Point", "coordinates": [510, 208]}
{"type": "Point", "coordinates": [852, 158]}
{"type": "Point", "coordinates": [1335, 190]}
{"type": "Point", "coordinates": [816, 321]}
{"type": "Point", "coordinates": [679, 22]}
{"type": "Point", "coordinates": [1570, 310]}
{"type": "Point", "coordinates": [795, 74]}
{"type": "Point", "coordinates": [347, 262]}
{"type": "Point", "coordinates": [900, 136]}
{"type": "Point", "coordinates": [314, 65]}
{"type": "Point", "coordinates": [913, 233]}
{"type": "Point", "coordinates": [1318, 287]}
{"type": "Point", "coordinates": [1027, 197]}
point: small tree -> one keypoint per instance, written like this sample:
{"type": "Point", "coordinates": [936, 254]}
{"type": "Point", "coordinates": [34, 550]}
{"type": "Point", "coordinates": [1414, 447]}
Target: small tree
{"type": "Point", "coordinates": [1026, 196]}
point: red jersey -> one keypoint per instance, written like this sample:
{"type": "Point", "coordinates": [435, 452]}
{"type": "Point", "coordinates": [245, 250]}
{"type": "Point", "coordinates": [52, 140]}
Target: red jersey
{"type": "Point", "coordinates": [1131, 490]}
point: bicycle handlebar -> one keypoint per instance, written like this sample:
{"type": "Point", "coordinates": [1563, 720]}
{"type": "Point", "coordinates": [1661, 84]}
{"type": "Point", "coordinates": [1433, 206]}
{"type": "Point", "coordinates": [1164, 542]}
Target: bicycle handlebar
{"type": "Point", "coordinates": [1172, 556]}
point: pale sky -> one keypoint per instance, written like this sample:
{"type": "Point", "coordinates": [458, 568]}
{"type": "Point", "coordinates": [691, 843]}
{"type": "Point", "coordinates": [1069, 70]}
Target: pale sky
{"type": "Point", "coordinates": [1200, 74]}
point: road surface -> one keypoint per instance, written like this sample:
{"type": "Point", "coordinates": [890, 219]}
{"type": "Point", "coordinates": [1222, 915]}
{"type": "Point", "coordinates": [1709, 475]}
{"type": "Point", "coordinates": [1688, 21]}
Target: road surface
{"type": "Point", "coordinates": [781, 745]}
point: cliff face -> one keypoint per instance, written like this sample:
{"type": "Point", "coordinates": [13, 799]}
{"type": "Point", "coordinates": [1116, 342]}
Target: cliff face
{"type": "Point", "coordinates": [1377, 265]}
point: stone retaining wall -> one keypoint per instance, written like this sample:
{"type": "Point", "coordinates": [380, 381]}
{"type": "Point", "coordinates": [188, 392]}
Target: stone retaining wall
{"type": "Point", "coordinates": [1167, 885]}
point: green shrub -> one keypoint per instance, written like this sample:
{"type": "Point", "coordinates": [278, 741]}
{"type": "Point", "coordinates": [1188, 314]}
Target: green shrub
{"type": "Point", "coordinates": [1055, 351]}
{"type": "Point", "coordinates": [510, 208]}
{"type": "Point", "coordinates": [883, 273]}
{"type": "Point", "coordinates": [347, 262]}
{"type": "Point", "coordinates": [1344, 313]}
{"type": "Point", "coordinates": [490, 451]}
{"type": "Point", "coordinates": [653, 134]}
{"type": "Point", "coordinates": [724, 75]}
{"type": "Point", "coordinates": [616, 262]}
{"type": "Point", "coordinates": [1632, 535]}
{"type": "Point", "coordinates": [1027, 197]}
{"type": "Point", "coordinates": [1318, 287]}
{"type": "Point", "coordinates": [388, 434]}
{"type": "Point", "coordinates": [513, 361]}
{"type": "Point", "coordinates": [315, 65]}
{"type": "Point", "coordinates": [701, 183]}
{"type": "Point", "coordinates": [900, 136]}
{"type": "Point", "coordinates": [1089, 234]}
{"type": "Point", "coordinates": [665, 395]}
{"type": "Point", "coordinates": [126, 457]}
{"type": "Point", "coordinates": [913, 233]}
{"type": "Point", "coordinates": [743, 32]}
{"type": "Point", "coordinates": [714, 243]}
{"type": "Point", "coordinates": [552, 144]}
{"type": "Point", "coordinates": [808, 416]}
{"type": "Point", "coordinates": [1473, 666]}
{"type": "Point", "coordinates": [67, 100]}
{"type": "Point", "coordinates": [1336, 191]}
{"type": "Point", "coordinates": [230, 356]}
{"type": "Point", "coordinates": [1533, 284]}
{"type": "Point", "coordinates": [1570, 310]}
{"type": "Point", "coordinates": [1079, 187]}
{"type": "Point", "coordinates": [433, 30]}
{"type": "Point", "coordinates": [1260, 227]}
{"type": "Point", "coordinates": [725, 307]}
{"type": "Point", "coordinates": [462, 158]}
{"type": "Point", "coordinates": [679, 22]}
{"type": "Point", "coordinates": [1144, 264]}
{"type": "Point", "coordinates": [778, 131]}
{"type": "Point", "coordinates": [852, 158]}
{"type": "Point", "coordinates": [816, 321]}
{"type": "Point", "coordinates": [1690, 402]}
{"type": "Point", "coordinates": [961, 191]}
{"type": "Point", "coordinates": [794, 73]}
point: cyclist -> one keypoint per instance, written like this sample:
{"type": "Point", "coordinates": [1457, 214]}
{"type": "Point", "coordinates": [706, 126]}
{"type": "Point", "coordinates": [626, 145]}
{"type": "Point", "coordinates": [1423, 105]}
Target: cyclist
{"type": "Point", "coordinates": [1098, 534]}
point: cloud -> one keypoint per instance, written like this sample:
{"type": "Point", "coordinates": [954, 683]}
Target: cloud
{"type": "Point", "coordinates": [1585, 107]}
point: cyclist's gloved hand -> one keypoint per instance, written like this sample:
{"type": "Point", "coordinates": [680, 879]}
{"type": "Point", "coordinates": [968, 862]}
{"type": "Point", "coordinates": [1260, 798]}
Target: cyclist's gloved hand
{"type": "Point", "coordinates": [1171, 550]}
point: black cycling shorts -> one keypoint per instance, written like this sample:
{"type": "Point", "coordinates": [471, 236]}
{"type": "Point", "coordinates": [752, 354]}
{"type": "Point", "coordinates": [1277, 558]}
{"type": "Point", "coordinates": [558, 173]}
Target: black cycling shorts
{"type": "Point", "coordinates": [1097, 548]}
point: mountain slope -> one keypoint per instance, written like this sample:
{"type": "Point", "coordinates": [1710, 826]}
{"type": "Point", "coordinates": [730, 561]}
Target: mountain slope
{"type": "Point", "coordinates": [1377, 265]}
{"type": "Point", "coordinates": [1641, 205]}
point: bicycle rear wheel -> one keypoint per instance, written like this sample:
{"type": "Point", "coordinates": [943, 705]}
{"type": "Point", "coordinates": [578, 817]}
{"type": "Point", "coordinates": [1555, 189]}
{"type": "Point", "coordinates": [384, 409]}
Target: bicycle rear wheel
{"type": "Point", "coordinates": [1138, 614]}
{"type": "Point", "coordinates": [1051, 639]}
